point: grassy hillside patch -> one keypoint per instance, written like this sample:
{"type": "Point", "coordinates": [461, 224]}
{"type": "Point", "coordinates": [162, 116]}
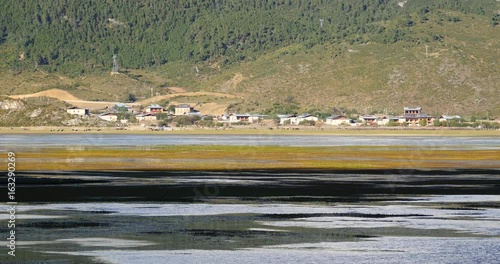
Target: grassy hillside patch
{"type": "Point", "coordinates": [456, 74]}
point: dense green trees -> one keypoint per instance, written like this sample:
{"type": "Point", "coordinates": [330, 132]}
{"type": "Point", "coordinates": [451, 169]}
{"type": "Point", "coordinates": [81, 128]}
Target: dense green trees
{"type": "Point", "coordinates": [74, 36]}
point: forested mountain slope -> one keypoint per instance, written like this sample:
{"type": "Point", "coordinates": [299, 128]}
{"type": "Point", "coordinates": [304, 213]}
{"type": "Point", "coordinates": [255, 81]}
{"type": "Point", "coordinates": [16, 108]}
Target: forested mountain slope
{"type": "Point", "coordinates": [370, 54]}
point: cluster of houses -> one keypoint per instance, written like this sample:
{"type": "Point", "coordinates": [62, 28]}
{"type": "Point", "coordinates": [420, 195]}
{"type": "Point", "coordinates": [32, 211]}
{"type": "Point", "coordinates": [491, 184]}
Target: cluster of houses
{"type": "Point", "coordinates": [412, 116]}
{"type": "Point", "coordinates": [147, 115]}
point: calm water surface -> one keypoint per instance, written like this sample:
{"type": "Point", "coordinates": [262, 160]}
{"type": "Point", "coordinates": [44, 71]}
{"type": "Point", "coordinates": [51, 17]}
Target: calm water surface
{"type": "Point", "coordinates": [278, 140]}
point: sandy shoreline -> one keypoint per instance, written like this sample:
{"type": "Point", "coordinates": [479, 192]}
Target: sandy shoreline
{"type": "Point", "coordinates": [248, 130]}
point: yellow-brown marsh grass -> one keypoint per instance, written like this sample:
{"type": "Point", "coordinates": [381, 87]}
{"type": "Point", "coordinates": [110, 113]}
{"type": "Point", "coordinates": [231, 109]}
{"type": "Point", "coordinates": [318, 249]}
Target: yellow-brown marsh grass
{"type": "Point", "coordinates": [255, 157]}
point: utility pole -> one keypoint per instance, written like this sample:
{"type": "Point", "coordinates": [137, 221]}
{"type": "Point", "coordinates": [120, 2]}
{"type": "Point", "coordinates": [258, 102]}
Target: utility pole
{"type": "Point", "coordinates": [321, 22]}
{"type": "Point", "coordinates": [115, 65]}
{"type": "Point", "coordinates": [151, 92]}
{"type": "Point", "coordinates": [426, 50]}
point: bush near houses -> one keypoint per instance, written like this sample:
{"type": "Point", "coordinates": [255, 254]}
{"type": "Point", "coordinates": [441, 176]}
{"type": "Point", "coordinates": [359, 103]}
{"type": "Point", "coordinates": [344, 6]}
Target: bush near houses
{"type": "Point", "coordinates": [184, 120]}
{"type": "Point", "coordinates": [307, 123]}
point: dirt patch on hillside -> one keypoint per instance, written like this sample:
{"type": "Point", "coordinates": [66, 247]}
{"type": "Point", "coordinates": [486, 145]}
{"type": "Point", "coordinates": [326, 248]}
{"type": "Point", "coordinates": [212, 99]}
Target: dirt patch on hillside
{"type": "Point", "coordinates": [208, 108]}
{"type": "Point", "coordinates": [213, 108]}
{"type": "Point", "coordinates": [189, 94]}
{"type": "Point", "coordinates": [231, 85]}
{"type": "Point", "coordinates": [177, 90]}
{"type": "Point", "coordinates": [52, 93]}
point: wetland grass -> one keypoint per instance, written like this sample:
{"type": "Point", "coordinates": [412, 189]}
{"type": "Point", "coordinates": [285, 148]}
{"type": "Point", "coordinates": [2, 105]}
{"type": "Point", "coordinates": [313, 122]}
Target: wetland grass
{"type": "Point", "coordinates": [216, 157]}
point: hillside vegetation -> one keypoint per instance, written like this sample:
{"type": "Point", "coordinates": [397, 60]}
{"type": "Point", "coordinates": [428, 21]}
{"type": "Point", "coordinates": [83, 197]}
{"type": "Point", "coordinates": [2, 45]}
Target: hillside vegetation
{"type": "Point", "coordinates": [371, 55]}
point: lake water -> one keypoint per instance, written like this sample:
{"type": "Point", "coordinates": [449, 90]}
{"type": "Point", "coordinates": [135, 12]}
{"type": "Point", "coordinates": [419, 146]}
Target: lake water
{"type": "Point", "coordinates": [115, 140]}
{"type": "Point", "coordinates": [259, 216]}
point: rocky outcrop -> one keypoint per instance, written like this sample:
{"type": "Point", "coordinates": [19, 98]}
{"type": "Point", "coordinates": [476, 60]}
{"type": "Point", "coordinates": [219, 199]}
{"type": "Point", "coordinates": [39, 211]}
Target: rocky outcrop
{"type": "Point", "coordinates": [12, 105]}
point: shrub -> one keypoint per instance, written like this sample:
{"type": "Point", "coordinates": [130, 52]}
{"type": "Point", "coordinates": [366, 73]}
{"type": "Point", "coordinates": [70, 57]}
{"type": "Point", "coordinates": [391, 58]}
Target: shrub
{"type": "Point", "coordinates": [185, 120]}
{"type": "Point", "coordinates": [206, 123]}
{"type": "Point", "coordinates": [422, 122]}
{"type": "Point", "coordinates": [307, 123]}
{"type": "Point", "coordinates": [241, 123]}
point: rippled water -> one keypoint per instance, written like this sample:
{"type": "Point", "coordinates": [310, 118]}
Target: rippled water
{"type": "Point", "coordinates": [391, 232]}
{"type": "Point", "coordinates": [381, 250]}
{"type": "Point", "coordinates": [260, 216]}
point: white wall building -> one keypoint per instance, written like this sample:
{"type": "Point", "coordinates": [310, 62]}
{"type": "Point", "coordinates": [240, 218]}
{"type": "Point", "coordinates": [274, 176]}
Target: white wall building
{"type": "Point", "coordinates": [296, 119]}
{"type": "Point", "coordinates": [145, 117]}
{"type": "Point", "coordinates": [77, 111]}
{"type": "Point", "coordinates": [108, 117]}
{"type": "Point", "coordinates": [337, 120]}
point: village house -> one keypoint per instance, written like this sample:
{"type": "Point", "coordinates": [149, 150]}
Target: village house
{"type": "Point", "coordinates": [338, 120]}
{"type": "Point", "coordinates": [368, 119]}
{"type": "Point", "coordinates": [306, 117]}
{"type": "Point", "coordinates": [256, 118]}
{"type": "Point", "coordinates": [413, 115]}
{"type": "Point", "coordinates": [154, 108]}
{"type": "Point", "coordinates": [388, 119]}
{"type": "Point", "coordinates": [287, 119]}
{"type": "Point", "coordinates": [121, 107]}
{"type": "Point", "coordinates": [296, 119]}
{"type": "Point", "coordinates": [184, 109]}
{"type": "Point", "coordinates": [234, 118]}
{"type": "Point", "coordinates": [77, 111]}
{"type": "Point", "coordinates": [108, 117]}
{"type": "Point", "coordinates": [145, 117]}
{"type": "Point", "coordinates": [412, 110]}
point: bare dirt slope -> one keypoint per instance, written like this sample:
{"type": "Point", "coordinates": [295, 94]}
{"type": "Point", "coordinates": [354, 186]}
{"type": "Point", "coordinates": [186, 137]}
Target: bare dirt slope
{"type": "Point", "coordinates": [189, 94]}
{"type": "Point", "coordinates": [207, 108]}
{"type": "Point", "coordinates": [52, 93]}
{"type": "Point", "coordinates": [177, 89]}
{"type": "Point", "coordinates": [68, 98]}
{"type": "Point", "coordinates": [212, 108]}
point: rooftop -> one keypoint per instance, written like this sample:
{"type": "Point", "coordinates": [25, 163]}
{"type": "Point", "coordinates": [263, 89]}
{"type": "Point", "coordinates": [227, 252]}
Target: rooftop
{"type": "Point", "coordinates": [413, 108]}
{"type": "Point", "coordinates": [304, 115]}
{"type": "Point", "coordinates": [416, 116]}
{"type": "Point", "coordinates": [147, 114]}
{"type": "Point", "coordinates": [241, 115]}
{"type": "Point", "coordinates": [333, 117]}
{"type": "Point", "coordinates": [451, 117]}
